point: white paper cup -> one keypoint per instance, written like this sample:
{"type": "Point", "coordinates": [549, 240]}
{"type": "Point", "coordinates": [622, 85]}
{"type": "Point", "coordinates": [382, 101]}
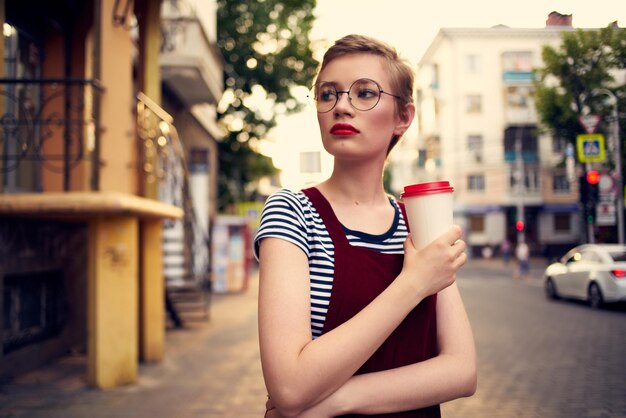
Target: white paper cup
{"type": "Point", "coordinates": [429, 210]}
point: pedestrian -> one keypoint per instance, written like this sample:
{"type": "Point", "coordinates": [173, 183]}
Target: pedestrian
{"type": "Point", "coordinates": [353, 319]}
{"type": "Point", "coordinates": [505, 249]}
{"type": "Point", "coordinates": [522, 253]}
{"type": "Point", "coordinates": [487, 252]}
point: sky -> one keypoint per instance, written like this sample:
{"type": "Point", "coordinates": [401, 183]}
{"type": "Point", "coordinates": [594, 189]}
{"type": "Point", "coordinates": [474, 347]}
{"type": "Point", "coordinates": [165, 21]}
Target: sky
{"type": "Point", "coordinates": [410, 26]}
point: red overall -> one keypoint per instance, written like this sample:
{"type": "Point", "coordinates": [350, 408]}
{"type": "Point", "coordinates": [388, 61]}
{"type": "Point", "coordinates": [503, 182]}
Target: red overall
{"type": "Point", "coordinates": [361, 274]}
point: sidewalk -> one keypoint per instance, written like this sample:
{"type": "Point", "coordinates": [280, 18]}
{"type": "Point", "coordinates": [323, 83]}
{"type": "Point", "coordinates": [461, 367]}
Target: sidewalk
{"type": "Point", "coordinates": [211, 369]}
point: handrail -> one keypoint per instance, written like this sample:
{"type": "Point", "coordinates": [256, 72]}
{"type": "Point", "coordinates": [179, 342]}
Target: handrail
{"type": "Point", "coordinates": [164, 162]}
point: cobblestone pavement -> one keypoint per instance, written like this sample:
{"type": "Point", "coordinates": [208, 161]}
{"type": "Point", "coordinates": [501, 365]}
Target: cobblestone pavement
{"type": "Point", "coordinates": [540, 358]}
{"type": "Point", "coordinates": [536, 358]}
{"type": "Point", "coordinates": [211, 369]}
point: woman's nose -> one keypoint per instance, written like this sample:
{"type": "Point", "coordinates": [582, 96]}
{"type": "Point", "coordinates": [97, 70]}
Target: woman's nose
{"type": "Point", "coordinates": [343, 102]}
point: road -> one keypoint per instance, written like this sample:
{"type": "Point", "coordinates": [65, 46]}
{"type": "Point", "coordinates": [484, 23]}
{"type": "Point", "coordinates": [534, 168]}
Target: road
{"type": "Point", "coordinates": [541, 358]}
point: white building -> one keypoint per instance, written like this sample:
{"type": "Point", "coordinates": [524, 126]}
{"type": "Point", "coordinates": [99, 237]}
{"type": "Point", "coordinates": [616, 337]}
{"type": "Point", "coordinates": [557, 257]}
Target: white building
{"type": "Point", "coordinates": [474, 103]}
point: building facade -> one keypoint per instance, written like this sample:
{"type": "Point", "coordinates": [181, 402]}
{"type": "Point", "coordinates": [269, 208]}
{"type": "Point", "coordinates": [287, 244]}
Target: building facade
{"type": "Point", "coordinates": [477, 128]}
{"type": "Point", "coordinates": [107, 177]}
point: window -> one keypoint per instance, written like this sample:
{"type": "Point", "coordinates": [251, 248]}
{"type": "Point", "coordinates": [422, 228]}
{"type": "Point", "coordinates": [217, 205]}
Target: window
{"type": "Point", "coordinates": [421, 158]}
{"type": "Point", "coordinates": [531, 178]}
{"type": "Point", "coordinates": [476, 183]}
{"type": "Point", "coordinates": [618, 255]}
{"type": "Point", "coordinates": [527, 135]}
{"type": "Point", "coordinates": [433, 150]}
{"type": "Point", "coordinates": [590, 256]}
{"type": "Point", "coordinates": [562, 222]}
{"type": "Point", "coordinates": [22, 60]}
{"type": "Point", "coordinates": [560, 183]}
{"type": "Point", "coordinates": [473, 103]}
{"type": "Point", "coordinates": [477, 223]}
{"type": "Point", "coordinates": [572, 257]}
{"type": "Point", "coordinates": [472, 64]}
{"type": "Point", "coordinates": [518, 97]}
{"type": "Point", "coordinates": [517, 61]}
{"type": "Point", "coordinates": [475, 146]}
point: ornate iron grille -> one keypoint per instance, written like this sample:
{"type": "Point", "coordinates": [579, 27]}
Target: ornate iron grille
{"type": "Point", "coordinates": [47, 125]}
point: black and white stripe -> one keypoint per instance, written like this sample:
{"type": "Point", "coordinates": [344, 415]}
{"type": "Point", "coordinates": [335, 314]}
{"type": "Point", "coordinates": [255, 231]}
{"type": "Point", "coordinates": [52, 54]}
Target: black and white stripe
{"type": "Point", "coordinates": [292, 217]}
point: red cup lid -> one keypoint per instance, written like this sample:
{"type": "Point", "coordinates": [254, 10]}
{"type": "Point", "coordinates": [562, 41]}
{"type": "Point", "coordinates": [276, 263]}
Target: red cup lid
{"type": "Point", "coordinates": [432, 187]}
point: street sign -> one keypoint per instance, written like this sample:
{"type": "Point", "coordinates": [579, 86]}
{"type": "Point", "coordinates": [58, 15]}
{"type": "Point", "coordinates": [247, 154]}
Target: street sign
{"type": "Point", "coordinates": [591, 148]}
{"type": "Point", "coordinates": [589, 122]}
{"type": "Point", "coordinates": [605, 214]}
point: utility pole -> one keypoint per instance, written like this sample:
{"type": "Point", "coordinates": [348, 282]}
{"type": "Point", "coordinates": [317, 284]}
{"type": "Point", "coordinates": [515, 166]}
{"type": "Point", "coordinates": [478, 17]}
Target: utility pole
{"type": "Point", "coordinates": [617, 160]}
{"type": "Point", "coordinates": [519, 178]}
{"type": "Point", "coordinates": [591, 236]}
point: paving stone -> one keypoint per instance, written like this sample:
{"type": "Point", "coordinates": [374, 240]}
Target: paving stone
{"type": "Point", "coordinates": [536, 359]}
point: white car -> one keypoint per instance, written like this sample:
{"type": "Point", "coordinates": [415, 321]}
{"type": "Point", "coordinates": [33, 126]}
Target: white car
{"type": "Point", "coordinates": [595, 273]}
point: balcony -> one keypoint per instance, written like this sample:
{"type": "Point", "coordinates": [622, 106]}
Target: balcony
{"type": "Point", "coordinates": [49, 134]}
{"type": "Point", "coordinates": [191, 65]}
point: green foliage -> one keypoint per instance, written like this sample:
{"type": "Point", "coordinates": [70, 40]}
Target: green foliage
{"type": "Point", "coordinates": [266, 49]}
{"type": "Point", "coordinates": [586, 60]}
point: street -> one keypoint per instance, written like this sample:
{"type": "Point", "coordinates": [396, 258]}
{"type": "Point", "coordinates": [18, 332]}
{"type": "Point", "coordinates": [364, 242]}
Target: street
{"type": "Point", "coordinates": [536, 358]}
{"type": "Point", "coordinates": [540, 358]}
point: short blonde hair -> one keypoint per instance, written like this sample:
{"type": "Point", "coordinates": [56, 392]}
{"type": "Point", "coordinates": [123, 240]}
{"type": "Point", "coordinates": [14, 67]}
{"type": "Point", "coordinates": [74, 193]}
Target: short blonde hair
{"type": "Point", "coordinates": [401, 73]}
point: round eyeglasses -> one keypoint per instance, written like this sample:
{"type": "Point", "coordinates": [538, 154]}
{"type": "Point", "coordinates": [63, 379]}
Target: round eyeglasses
{"type": "Point", "coordinates": [364, 94]}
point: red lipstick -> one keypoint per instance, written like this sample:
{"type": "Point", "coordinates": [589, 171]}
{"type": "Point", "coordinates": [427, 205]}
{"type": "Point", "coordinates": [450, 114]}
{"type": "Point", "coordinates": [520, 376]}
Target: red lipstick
{"type": "Point", "coordinates": [343, 129]}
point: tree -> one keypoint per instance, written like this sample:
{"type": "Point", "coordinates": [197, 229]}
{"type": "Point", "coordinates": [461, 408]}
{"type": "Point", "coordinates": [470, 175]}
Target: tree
{"type": "Point", "coordinates": [585, 61]}
{"type": "Point", "coordinates": [267, 53]}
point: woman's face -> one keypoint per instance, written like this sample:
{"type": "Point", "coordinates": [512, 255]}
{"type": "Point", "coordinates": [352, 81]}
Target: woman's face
{"type": "Point", "coordinates": [349, 133]}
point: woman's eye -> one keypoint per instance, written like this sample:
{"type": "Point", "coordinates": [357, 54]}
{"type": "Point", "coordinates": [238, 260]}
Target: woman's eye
{"type": "Point", "coordinates": [366, 94]}
{"type": "Point", "coordinates": [326, 95]}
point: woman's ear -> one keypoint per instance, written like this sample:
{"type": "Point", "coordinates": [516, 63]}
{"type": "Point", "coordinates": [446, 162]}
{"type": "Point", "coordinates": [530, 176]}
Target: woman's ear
{"type": "Point", "coordinates": [405, 117]}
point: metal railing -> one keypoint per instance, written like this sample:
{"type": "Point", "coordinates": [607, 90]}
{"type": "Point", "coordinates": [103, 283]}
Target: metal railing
{"type": "Point", "coordinates": [166, 176]}
{"type": "Point", "coordinates": [48, 124]}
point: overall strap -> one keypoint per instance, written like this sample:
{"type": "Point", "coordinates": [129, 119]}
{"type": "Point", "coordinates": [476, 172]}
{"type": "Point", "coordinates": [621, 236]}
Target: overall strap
{"type": "Point", "coordinates": [334, 227]}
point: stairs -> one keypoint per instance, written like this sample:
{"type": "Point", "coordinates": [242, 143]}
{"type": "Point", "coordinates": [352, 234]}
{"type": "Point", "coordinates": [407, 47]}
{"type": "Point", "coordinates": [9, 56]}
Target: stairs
{"type": "Point", "coordinates": [185, 241]}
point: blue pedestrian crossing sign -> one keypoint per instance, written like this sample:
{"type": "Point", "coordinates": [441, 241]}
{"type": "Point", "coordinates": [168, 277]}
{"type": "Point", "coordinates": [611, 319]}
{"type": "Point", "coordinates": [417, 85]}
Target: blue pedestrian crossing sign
{"type": "Point", "coordinates": [591, 148]}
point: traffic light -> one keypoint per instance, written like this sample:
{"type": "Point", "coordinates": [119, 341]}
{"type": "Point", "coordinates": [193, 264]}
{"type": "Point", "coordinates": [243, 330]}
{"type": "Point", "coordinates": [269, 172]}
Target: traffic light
{"type": "Point", "coordinates": [519, 225]}
{"type": "Point", "coordinates": [589, 194]}
{"type": "Point", "coordinates": [593, 178]}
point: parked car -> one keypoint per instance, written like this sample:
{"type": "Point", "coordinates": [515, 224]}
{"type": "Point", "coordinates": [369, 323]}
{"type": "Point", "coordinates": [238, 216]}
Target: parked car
{"type": "Point", "coordinates": [595, 273]}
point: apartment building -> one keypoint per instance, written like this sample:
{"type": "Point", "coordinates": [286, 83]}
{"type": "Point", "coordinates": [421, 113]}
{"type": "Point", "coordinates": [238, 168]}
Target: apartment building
{"type": "Point", "coordinates": [477, 128]}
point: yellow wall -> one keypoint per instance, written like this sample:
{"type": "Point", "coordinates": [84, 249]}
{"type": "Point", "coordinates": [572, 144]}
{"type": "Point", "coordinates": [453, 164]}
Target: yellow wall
{"type": "Point", "coordinates": [113, 298]}
{"type": "Point", "coordinates": [117, 140]}
{"type": "Point", "coordinates": [148, 70]}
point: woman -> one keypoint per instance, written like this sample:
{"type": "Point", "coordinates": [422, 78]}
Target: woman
{"type": "Point", "coordinates": [352, 318]}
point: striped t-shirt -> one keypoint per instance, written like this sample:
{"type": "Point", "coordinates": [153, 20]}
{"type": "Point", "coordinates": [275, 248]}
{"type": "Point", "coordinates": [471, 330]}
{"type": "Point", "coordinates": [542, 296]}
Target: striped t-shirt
{"type": "Point", "coordinates": [292, 217]}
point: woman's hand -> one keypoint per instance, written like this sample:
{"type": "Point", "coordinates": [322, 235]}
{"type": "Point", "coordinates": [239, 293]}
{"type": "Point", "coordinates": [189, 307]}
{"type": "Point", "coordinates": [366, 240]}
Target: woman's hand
{"type": "Point", "coordinates": [434, 267]}
{"type": "Point", "coordinates": [270, 410]}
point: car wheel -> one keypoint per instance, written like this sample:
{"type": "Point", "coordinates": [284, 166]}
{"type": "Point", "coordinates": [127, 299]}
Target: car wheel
{"type": "Point", "coordinates": [551, 292]}
{"type": "Point", "coordinates": [594, 296]}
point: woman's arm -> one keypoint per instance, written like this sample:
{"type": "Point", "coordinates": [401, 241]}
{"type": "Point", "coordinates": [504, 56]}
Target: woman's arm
{"type": "Point", "coordinates": [300, 372]}
{"type": "Point", "coordinates": [450, 375]}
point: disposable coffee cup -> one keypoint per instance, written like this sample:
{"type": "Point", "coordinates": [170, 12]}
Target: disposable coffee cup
{"type": "Point", "coordinates": [428, 208]}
